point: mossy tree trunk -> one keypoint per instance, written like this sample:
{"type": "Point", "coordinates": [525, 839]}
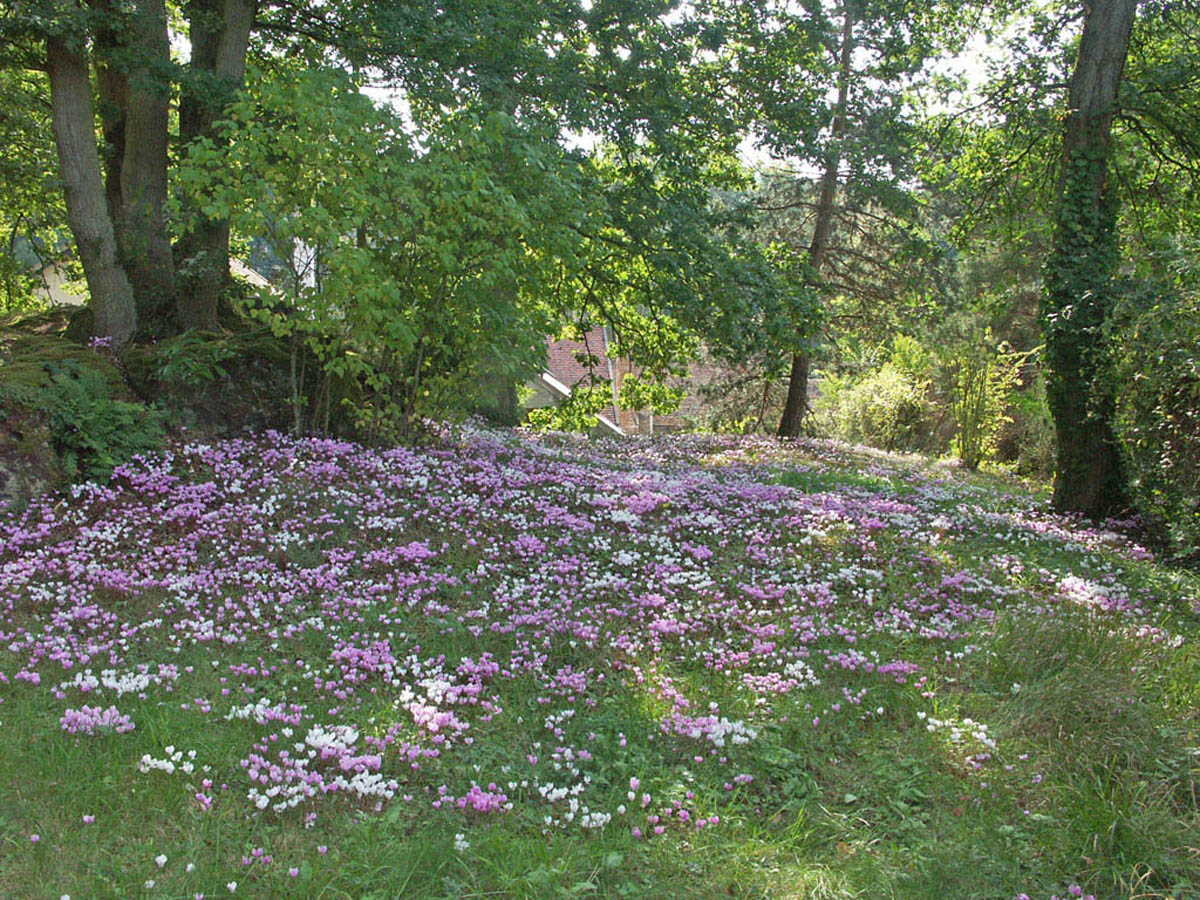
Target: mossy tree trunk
{"type": "Point", "coordinates": [1080, 274]}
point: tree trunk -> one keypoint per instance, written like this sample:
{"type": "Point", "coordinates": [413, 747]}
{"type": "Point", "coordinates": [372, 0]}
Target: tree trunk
{"type": "Point", "coordinates": [1080, 272]}
{"type": "Point", "coordinates": [220, 35]}
{"type": "Point", "coordinates": [145, 246]}
{"type": "Point", "coordinates": [134, 80]}
{"type": "Point", "coordinates": [795, 408]}
{"type": "Point", "coordinates": [112, 89]}
{"type": "Point", "coordinates": [74, 125]}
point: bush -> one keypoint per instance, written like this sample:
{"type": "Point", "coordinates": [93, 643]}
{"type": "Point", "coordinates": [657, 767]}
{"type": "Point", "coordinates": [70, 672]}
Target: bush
{"type": "Point", "coordinates": [887, 408]}
{"type": "Point", "coordinates": [1156, 351]}
{"type": "Point", "coordinates": [1027, 438]}
{"type": "Point", "coordinates": [409, 267]}
{"type": "Point", "coordinates": [982, 379]}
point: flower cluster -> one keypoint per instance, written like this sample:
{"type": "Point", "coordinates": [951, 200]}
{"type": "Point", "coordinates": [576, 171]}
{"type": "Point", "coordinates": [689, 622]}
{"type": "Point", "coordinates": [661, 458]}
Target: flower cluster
{"type": "Point", "coordinates": [94, 720]}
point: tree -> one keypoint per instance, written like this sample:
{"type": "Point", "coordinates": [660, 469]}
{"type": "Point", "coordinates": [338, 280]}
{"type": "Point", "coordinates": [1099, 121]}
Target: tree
{"type": "Point", "coordinates": [832, 83]}
{"type": "Point", "coordinates": [645, 76]}
{"type": "Point", "coordinates": [796, 404]}
{"type": "Point", "coordinates": [114, 313]}
{"type": "Point", "coordinates": [116, 193]}
{"type": "Point", "coordinates": [1080, 272]}
{"type": "Point", "coordinates": [219, 31]}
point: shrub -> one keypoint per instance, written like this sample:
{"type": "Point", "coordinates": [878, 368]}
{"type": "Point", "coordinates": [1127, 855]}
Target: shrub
{"type": "Point", "coordinates": [1156, 351]}
{"type": "Point", "coordinates": [192, 360]}
{"type": "Point", "coordinates": [1028, 437]}
{"type": "Point", "coordinates": [983, 376]}
{"type": "Point", "coordinates": [887, 408]}
{"type": "Point", "coordinates": [408, 266]}
{"type": "Point", "coordinates": [91, 431]}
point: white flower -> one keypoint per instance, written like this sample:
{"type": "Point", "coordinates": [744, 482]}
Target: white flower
{"type": "Point", "coordinates": [191, 867]}
{"type": "Point", "coordinates": [232, 886]}
{"type": "Point", "coordinates": [160, 860]}
{"type": "Point", "coordinates": [461, 844]}
{"type": "Point", "coordinates": [149, 883]}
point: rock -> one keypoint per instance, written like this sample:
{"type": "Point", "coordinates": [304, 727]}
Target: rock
{"type": "Point", "coordinates": [28, 464]}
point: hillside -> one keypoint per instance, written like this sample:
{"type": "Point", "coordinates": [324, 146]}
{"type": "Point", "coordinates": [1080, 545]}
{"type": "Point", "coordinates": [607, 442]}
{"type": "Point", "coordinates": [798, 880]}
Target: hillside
{"type": "Point", "coordinates": [513, 667]}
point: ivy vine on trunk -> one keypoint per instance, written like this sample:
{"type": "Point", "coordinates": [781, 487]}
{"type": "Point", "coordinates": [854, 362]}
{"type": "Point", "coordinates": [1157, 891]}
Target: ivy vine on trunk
{"type": "Point", "coordinates": [1081, 271]}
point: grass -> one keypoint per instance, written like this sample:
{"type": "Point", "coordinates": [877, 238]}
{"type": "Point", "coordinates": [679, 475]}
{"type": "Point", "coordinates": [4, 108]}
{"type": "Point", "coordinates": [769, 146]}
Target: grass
{"type": "Point", "coordinates": [856, 617]}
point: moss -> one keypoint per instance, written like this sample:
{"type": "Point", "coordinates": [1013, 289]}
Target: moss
{"type": "Point", "coordinates": [53, 320]}
{"type": "Point", "coordinates": [65, 410]}
{"type": "Point", "coordinates": [27, 357]}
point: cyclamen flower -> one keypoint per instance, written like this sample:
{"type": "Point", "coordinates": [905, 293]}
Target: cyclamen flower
{"type": "Point", "coordinates": [93, 720]}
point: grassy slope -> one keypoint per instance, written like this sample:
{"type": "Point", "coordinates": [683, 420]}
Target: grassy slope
{"type": "Point", "coordinates": [890, 792]}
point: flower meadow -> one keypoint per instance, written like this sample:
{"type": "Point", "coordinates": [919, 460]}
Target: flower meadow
{"type": "Point", "coordinates": [503, 665]}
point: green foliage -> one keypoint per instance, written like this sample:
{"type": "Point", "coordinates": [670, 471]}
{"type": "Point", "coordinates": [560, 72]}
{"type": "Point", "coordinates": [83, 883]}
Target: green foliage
{"type": "Point", "coordinates": [400, 259]}
{"type": "Point", "coordinates": [1079, 297]}
{"type": "Point", "coordinates": [639, 392]}
{"type": "Point", "coordinates": [911, 357]}
{"type": "Point", "coordinates": [574, 413]}
{"type": "Point", "coordinates": [1029, 435]}
{"type": "Point", "coordinates": [192, 359]}
{"type": "Point", "coordinates": [428, 271]}
{"type": "Point", "coordinates": [74, 399]}
{"type": "Point", "coordinates": [886, 408]}
{"type": "Point", "coordinates": [32, 217]}
{"type": "Point", "coordinates": [93, 432]}
{"type": "Point", "coordinates": [68, 404]}
{"type": "Point", "coordinates": [983, 376]}
{"type": "Point", "coordinates": [1155, 342]}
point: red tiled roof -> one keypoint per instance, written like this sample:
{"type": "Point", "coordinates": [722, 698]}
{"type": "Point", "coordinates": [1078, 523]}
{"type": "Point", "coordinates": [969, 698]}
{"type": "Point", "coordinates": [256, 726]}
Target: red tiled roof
{"type": "Point", "coordinates": [565, 365]}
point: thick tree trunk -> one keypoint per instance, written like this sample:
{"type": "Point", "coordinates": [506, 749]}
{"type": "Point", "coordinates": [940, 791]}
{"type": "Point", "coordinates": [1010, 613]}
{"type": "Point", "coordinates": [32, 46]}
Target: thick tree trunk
{"type": "Point", "coordinates": [1080, 271]}
{"type": "Point", "coordinates": [74, 125]}
{"type": "Point", "coordinates": [145, 245]}
{"type": "Point", "coordinates": [112, 88]}
{"type": "Point", "coordinates": [133, 77]}
{"type": "Point", "coordinates": [795, 408]}
{"type": "Point", "coordinates": [220, 35]}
